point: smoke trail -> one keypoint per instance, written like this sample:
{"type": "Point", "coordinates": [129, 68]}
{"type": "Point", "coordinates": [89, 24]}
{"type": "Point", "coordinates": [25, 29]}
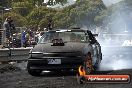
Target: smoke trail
{"type": "Point", "coordinates": [115, 62]}
{"type": "Point", "coordinates": [119, 24]}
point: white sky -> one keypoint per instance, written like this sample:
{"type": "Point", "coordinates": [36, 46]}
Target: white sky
{"type": "Point", "coordinates": [110, 2]}
{"type": "Point", "coordinates": [69, 3]}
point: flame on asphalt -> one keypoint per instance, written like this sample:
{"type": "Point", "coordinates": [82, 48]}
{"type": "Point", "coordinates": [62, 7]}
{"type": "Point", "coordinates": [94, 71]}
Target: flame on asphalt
{"type": "Point", "coordinates": [81, 71]}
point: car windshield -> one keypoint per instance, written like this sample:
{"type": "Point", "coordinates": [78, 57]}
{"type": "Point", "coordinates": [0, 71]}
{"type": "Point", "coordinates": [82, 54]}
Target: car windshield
{"type": "Point", "coordinates": [65, 36]}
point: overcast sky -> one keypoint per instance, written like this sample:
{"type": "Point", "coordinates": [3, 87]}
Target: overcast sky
{"type": "Point", "coordinates": [69, 3]}
{"type": "Point", "coordinates": [110, 2]}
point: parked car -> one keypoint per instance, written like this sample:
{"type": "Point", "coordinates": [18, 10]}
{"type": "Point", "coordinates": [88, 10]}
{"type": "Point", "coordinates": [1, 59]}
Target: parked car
{"type": "Point", "coordinates": [65, 49]}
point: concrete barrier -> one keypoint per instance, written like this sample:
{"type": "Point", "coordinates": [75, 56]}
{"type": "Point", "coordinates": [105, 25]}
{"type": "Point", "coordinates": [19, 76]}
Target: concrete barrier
{"type": "Point", "coordinates": [7, 54]}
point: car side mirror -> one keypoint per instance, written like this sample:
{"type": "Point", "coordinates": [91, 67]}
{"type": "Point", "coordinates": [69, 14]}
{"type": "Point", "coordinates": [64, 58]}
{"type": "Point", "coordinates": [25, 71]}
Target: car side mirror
{"type": "Point", "coordinates": [93, 41]}
{"type": "Point", "coordinates": [95, 35]}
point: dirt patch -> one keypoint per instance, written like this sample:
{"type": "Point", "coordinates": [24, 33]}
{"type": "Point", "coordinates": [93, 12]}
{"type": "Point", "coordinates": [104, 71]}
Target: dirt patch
{"type": "Point", "coordinates": [8, 68]}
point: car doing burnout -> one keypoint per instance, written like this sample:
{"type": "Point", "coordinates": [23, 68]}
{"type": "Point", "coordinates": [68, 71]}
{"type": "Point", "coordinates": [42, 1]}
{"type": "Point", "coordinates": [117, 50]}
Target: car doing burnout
{"type": "Point", "coordinates": [65, 49]}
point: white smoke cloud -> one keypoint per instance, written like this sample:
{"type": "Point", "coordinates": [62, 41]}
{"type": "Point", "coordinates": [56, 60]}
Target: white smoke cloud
{"type": "Point", "coordinates": [116, 62]}
{"type": "Point", "coordinates": [110, 2]}
{"type": "Point", "coordinates": [118, 25]}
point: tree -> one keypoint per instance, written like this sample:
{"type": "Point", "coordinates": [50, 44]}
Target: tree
{"type": "Point", "coordinates": [37, 14]}
{"type": "Point", "coordinates": [19, 21]}
{"type": "Point", "coordinates": [22, 8]}
{"type": "Point", "coordinates": [5, 3]}
{"type": "Point", "coordinates": [83, 12]}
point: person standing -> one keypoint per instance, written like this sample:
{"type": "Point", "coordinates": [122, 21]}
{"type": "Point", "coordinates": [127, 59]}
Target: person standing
{"type": "Point", "coordinates": [12, 27]}
{"type": "Point", "coordinates": [9, 29]}
{"type": "Point", "coordinates": [50, 23]}
{"type": "Point", "coordinates": [6, 27]}
{"type": "Point", "coordinates": [23, 39]}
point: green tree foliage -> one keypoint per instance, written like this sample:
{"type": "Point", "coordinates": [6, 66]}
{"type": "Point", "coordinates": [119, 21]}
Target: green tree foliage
{"type": "Point", "coordinates": [19, 21]}
{"type": "Point", "coordinates": [83, 12]}
{"type": "Point", "coordinates": [36, 2]}
{"type": "Point", "coordinates": [40, 2]}
{"type": "Point", "coordinates": [5, 3]}
{"type": "Point", "coordinates": [38, 14]}
{"type": "Point", "coordinates": [22, 8]}
{"type": "Point", "coordinates": [76, 15]}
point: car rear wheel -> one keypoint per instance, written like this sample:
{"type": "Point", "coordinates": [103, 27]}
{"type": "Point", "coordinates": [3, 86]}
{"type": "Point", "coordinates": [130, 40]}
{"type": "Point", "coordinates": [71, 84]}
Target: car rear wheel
{"type": "Point", "coordinates": [32, 71]}
{"type": "Point", "coordinates": [88, 64]}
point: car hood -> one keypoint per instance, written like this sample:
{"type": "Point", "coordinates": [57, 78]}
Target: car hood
{"type": "Point", "coordinates": [68, 47]}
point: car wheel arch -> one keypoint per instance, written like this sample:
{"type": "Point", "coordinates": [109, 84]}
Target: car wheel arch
{"type": "Point", "coordinates": [88, 49]}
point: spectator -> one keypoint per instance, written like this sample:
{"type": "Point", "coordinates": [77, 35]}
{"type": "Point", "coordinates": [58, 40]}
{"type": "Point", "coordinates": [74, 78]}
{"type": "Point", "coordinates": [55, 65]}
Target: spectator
{"type": "Point", "coordinates": [50, 24]}
{"type": "Point", "coordinates": [41, 34]}
{"type": "Point", "coordinates": [23, 38]}
{"type": "Point", "coordinates": [37, 36]}
{"type": "Point", "coordinates": [12, 27]}
{"type": "Point", "coordinates": [6, 27]}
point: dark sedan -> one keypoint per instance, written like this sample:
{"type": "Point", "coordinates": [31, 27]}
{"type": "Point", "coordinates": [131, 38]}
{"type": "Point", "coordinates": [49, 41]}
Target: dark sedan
{"type": "Point", "coordinates": [65, 49]}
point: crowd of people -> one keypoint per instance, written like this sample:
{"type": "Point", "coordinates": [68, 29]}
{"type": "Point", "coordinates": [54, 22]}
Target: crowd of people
{"type": "Point", "coordinates": [23, 38]}
{"type": "Point", "coordinates": [29, 36]}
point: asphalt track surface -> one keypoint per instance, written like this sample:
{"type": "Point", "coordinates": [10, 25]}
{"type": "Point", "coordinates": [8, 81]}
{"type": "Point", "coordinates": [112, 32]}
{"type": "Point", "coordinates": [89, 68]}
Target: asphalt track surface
{"type": "Point", "coordinates": [21, 79]}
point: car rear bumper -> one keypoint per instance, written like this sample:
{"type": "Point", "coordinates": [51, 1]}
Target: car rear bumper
{"type": "Point", "coordinates": [57, 67]}
{"type": "Point", "coordinates": [66, 63]}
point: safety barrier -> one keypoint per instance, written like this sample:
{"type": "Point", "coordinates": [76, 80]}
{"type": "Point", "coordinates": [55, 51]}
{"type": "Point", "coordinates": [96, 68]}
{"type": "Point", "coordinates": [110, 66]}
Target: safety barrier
{"type": "Point", "coordinates": [14, 54]}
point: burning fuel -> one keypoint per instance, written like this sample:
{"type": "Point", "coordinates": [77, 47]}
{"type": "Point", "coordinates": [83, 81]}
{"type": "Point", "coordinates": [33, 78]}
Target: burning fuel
{"type": "Point", "coordinates": [81, 71]}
